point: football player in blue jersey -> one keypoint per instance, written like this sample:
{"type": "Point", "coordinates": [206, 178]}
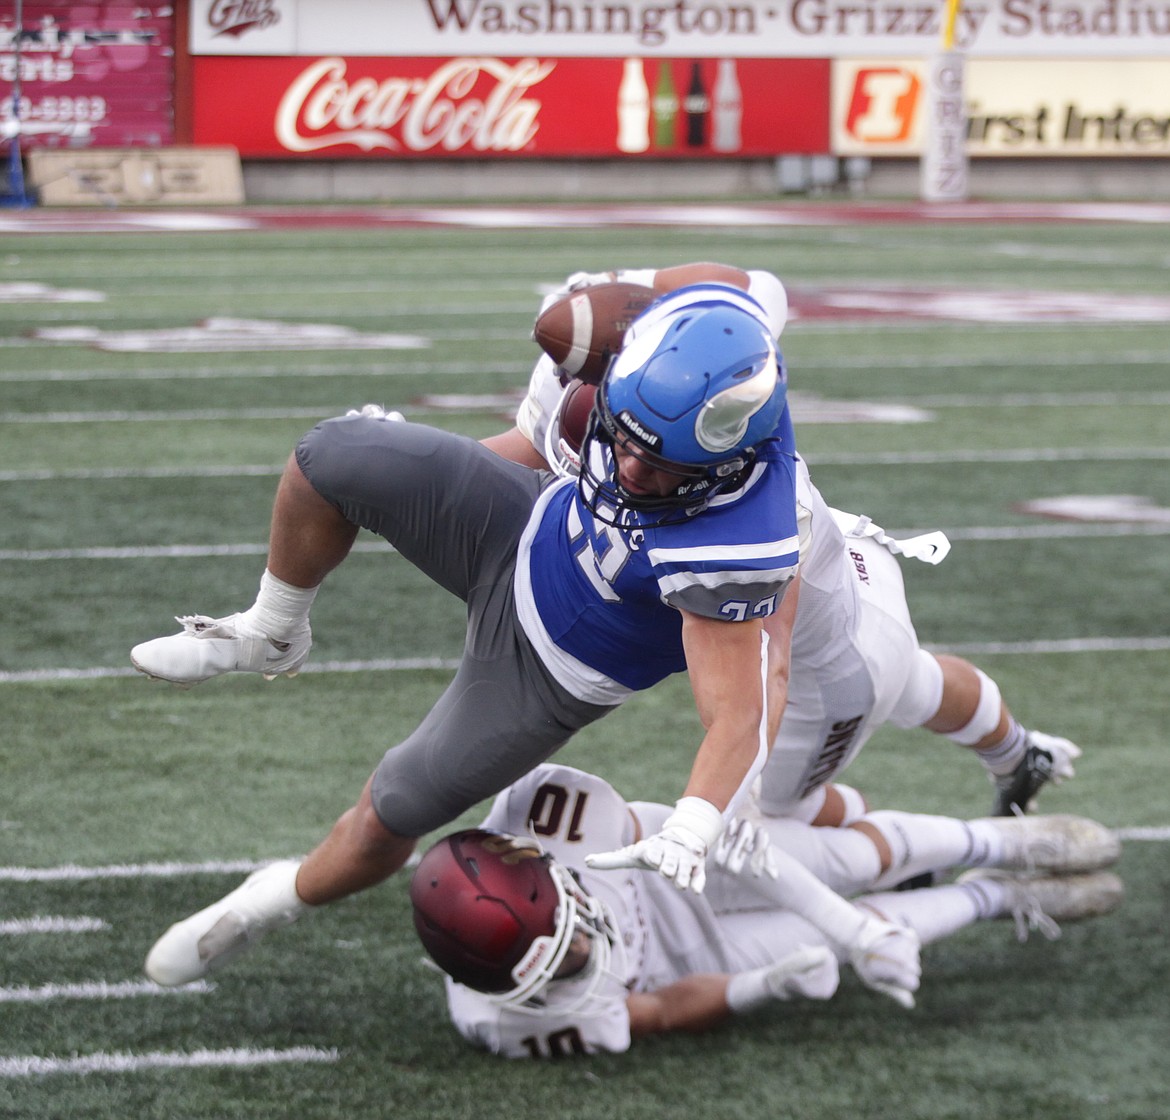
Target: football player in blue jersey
{"type": "Point", "coordinates": [668, 553]}
{"type": "Point", "coordinates": [856, 662]}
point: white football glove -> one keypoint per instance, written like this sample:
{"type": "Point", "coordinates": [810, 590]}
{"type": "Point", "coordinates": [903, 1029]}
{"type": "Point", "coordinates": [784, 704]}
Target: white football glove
{"type": "Point", "coordinates": [574, 283]}
{"type": "Point", "coordinates": [678, 852]}
{"type": "Point", "coordinates": [377, 412]}
{"type": "Point", "coordinates": [809, 971]}
{"type": "Point", "coordinates": [745, 842]}
{"type": "Point", "coordinates": [579, 280]}
{"type": "Point", "coordinates": [1063, 754]}
{"type": "Point", "coordinates": [886, 958]}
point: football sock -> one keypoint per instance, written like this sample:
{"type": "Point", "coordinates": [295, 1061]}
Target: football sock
{"type": "Point", "coordinates": [1006, 755]}
{"type": "Point", "coordinates": [937, 912]}
{"type": "Point", "coordinates": [920, 843]}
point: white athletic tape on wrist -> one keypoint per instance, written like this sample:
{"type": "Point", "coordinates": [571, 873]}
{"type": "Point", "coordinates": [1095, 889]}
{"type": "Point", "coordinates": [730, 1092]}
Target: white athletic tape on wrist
{"type": "Point", "coordinates": [643, 276]}
{"type": "Point", "coordinates": [748, 990]}
{"type": "Point", "coordinates": [699, 816]}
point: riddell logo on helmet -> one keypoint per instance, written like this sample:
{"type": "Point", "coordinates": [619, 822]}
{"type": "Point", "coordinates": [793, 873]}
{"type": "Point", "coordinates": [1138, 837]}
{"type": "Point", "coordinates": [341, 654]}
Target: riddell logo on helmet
{"type": "Point", "coordinates": [532, 959]}
{"type": "Point", "coordinates": [651, 439]}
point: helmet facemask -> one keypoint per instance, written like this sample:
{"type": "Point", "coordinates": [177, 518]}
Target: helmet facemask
{"type": "Point", "coordinates": [577, 913]}
{"type": "Point", "coordinates": [607, 499]}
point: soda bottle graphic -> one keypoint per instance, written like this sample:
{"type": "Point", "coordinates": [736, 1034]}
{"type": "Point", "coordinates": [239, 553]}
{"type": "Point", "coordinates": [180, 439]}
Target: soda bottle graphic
{"type": "Point", "coordinates": [696, 108]}
{"type": "Point", "coordinates": [728, 108]}
{"type": "Point", "coordinates": [633, 108]}
{"type": "Point", "coordinates": [665, 106]}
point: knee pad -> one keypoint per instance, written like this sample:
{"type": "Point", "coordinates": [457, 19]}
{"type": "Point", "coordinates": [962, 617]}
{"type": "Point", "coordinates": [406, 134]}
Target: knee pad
{"type": "Point", "coordinates": [853, 803]}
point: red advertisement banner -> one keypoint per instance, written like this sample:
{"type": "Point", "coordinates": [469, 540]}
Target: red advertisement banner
{"type": "Point", "coordinates": [337, 107]}
{"type": "Point", "coordinates": [89, 75]}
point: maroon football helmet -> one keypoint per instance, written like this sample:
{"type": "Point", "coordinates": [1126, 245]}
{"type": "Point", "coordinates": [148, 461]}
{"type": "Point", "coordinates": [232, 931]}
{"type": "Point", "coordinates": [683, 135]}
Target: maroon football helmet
{"type": "Point", "coordinates": [497, 913]}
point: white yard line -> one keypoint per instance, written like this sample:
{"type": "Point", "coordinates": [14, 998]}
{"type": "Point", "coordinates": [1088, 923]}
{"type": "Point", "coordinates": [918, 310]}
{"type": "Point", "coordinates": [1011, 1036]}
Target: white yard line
{"type": "Point", "coordinates": [987, 455]}
{"type": "Point", "coordinates": [90, 474]}
{"type": "Point", "coordinates": [1058, 531]}
{"type": "Point", "coordinates": [42, 923]}
{"type": "Point", "coordinates": [1156, 834]}
{"type": "Point", "coordinates": [1068, 645]}
{"type": "Point", "coordinates": [147, 552]}
{"type": "Point", "coordinates": [399, 665]}
{"type": "Point", "coordinates": [831, 459]}
{"type": "Point", "coordinates": [75, 873]}
{"type": "Point", "coordinates": [36, 1066]}
{"type": "Point", "coordinates": [398, 368]}
{"type": "Point", "coordinates": [807, 403]}
{"type": "Point", "coordinates": [99, 989]}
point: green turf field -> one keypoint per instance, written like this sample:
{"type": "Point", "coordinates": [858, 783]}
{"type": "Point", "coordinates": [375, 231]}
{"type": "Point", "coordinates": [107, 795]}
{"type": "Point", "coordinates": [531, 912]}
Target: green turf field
{"type": "Point", "coordinates": [136, 474]}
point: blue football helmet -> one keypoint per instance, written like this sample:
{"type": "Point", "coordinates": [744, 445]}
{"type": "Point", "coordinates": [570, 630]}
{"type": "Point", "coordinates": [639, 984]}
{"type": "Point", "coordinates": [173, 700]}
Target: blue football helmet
{"type": "Point", "coordinates": [697, 386]}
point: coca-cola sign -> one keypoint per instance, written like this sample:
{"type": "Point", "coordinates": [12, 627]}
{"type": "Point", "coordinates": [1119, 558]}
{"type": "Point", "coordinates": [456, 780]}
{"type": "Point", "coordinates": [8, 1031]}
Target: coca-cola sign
{"type": "Point", "coordinates": [475, 104]}
{"type": "Point", "coordinates": [485, 106]}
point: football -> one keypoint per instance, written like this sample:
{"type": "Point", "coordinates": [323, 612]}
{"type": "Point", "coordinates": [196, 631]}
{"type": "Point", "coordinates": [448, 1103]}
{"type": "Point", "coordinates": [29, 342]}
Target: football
{"type": "Point", "coordinates": [573, 417]}
{"type": "Point", "coordinates": [582, 331]}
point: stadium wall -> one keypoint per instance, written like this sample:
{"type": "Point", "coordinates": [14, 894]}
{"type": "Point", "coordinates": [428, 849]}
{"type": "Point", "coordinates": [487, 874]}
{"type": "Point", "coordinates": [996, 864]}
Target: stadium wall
{"type": "Point", "coordinates": [346, 181]}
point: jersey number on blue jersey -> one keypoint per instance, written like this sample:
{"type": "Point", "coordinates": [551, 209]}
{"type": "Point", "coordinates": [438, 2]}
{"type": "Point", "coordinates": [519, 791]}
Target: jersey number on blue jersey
{"type": "Point", "coordinates": [739, 610]}
{"type": "Point", "coordinates": [602, 554]}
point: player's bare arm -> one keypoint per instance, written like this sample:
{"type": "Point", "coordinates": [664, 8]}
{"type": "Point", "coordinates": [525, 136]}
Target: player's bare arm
{"type": "Point", "coordinates": [694, 1003]}
{"type": "Point", "coordinates": [724, 663]}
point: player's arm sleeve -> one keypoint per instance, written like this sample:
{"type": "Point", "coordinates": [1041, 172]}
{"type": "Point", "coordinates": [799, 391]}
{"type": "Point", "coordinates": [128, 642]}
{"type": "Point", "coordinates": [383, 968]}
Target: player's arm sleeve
{"type": "Point", "coordinates": [540, 404]}
{"type": "Point", "coordinates": [764, 287]}
{"type": "Point", "coordinates": [767, 290]}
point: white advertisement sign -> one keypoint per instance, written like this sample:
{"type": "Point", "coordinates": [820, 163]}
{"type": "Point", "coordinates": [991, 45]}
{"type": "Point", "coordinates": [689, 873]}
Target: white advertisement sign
{"type": "Point", "coordinates": [1013, 107]}
{"type": "Point", "coordinates": [680, 28]}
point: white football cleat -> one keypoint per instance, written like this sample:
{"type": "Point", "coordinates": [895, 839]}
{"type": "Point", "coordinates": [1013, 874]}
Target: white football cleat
{"type": "Point", "coordinates": [1057, 842]}
{"type": "Point", "coordinates": [208, 647]}
{"type": "Point", "coordinates": [219, 933]}
{"type": "Point", "coordinates": [1039, 902]}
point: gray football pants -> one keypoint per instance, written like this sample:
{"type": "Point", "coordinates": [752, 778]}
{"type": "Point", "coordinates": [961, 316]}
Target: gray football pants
{"type": "Point", "coordinates": [456, 511]}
